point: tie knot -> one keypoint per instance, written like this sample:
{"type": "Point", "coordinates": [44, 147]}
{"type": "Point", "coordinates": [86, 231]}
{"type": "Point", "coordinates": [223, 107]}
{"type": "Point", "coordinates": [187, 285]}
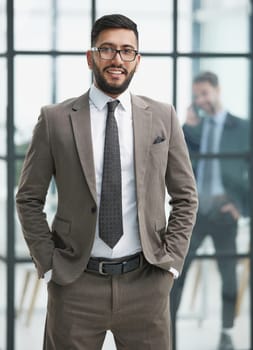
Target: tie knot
{"type": "Point", "coordinates": [112, 105]}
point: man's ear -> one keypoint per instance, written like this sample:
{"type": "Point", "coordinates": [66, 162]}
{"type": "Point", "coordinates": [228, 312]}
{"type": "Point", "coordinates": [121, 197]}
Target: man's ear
{"type": "Point", "coordinates": [89, 59]}
{"type": "Point", "coordinates": [138, 59]}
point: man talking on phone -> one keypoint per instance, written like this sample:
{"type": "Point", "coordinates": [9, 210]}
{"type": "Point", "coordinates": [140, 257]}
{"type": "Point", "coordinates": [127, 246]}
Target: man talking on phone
{"type": "Point", "coordinates": [222, 186]}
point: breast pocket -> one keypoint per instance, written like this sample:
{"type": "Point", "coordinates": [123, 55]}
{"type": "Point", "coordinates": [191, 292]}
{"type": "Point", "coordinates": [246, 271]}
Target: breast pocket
{"type": "Point", "coordinates": [156, 147]}
{"type": "Point", "coordinates": [159, 153]}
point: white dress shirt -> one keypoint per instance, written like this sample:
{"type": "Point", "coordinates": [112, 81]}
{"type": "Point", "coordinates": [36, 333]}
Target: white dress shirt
{"type": "Point", "coordinates": [129, 243]}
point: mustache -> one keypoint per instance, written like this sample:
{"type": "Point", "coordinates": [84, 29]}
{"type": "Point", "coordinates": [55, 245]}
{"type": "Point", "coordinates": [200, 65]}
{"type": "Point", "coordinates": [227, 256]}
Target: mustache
{"type": "Point", "coordinates": [114, 66]}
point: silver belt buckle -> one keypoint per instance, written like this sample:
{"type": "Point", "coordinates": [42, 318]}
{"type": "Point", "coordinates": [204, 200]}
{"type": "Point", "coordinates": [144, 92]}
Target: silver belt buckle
{"type": "Point", "coordinates": [100, 267]}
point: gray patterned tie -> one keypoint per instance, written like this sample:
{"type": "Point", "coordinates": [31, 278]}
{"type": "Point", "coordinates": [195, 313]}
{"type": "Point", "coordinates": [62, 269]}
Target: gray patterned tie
{"type": "Point", "coordinates": [110, 213]}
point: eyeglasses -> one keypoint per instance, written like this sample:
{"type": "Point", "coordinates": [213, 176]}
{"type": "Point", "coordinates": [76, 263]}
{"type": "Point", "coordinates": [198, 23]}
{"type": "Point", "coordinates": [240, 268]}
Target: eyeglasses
{"type": "Point", "coordinates": [108, 53]}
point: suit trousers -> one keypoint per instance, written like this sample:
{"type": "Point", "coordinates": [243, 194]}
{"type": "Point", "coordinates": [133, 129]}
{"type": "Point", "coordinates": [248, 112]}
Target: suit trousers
{"type": "Point", "coordinates": [222, 229]}
{"type": "Point", "coordinates": [134, 306]}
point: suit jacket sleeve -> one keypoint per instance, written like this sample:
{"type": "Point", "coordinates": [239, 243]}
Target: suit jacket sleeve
{"type": "Point", "coordinates": [36, 174]}
{"type": "Point", "coordinates": [181, 187]}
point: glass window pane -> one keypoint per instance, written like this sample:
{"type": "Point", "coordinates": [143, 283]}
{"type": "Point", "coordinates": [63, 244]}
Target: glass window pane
{"type": "Point", "coordinates": [33, 25]}
{"type": "Point", "coordinates": [153, 73]}
{"type": "Point", "coordinates": [73, 76]}
{"type": "Point", "coordinates": [222, 225]}
{"type": "Point", "coordinates": [29, 327]}
{"type": "Point", "coordinates": [3, 306]}
{"type": "Point", "coordinates": [3, 25]}
{"type": "Point", "coordinates": [153, 19]}
{"type": "Point", "coordinates": [73, 25]}
{"type": "Point", "coordinates": [212, 298]}
{"type": "Point", "coordinates": [3, 106]}
{"type": "Point", "coordinates": [30, 95]}
{"type": "Point", "coordinates": [214, 25]}
{"type": "Point", "coordinates": [202, 308]}
{"type": "Point", "coordinates": [235, 98]}
{"type": "Point", "coordinates": [3, 207]}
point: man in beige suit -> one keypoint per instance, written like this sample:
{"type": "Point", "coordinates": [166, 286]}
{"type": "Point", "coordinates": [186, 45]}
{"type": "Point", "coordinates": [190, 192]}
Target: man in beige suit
{"type": "Point", "coordinates": [110, 257]}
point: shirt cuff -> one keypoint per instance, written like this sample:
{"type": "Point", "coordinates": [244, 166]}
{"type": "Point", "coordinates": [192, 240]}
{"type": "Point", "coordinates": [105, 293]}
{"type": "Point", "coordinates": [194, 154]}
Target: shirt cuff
{"type": "Point", "coordinates": [48, 276]}
{"type": "Point", "coordinates": [174, 272]}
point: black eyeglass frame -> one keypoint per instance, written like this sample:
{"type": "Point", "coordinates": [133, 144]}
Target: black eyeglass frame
{"type": "Point", "coordinates": [114, 53]}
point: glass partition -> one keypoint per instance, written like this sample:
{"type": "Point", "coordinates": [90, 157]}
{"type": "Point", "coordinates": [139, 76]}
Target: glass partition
{"type": "Point", "coordinates": [30, 95]}
{"type": "Point", "coordinates": [213, 25]}
{"type": "Point", "coordinates": [33, 25]}
{"type": "Point", "coordinates": [30, 304]}
{"type": "Point", "coordinates": [154, 21]}
{"type": "Point", "coordinates": [50, 23]}
{"type": "Point", "coordinates": [200, 314]}
{"type": "Point", "coordinates": [212, 296]}
{"type": "Point", "coordinates": [151, 74]}
{"type": "Point", "coordinates": [235, 97]}
{"type": "Point", "coordinates": [73, 25]}
{"type": "Point", "coordinates": [3, 174]}
{"type": "Point", "coordinates": [3, 305]}
{"type": "Point", "coordinates": [3, 24]}
{"type": "Point", "coordinates": [3, 207]}
{"type": "Point", "coordinates": [73, 77]}
{"type": "Point", "coordinates": [3, 106]}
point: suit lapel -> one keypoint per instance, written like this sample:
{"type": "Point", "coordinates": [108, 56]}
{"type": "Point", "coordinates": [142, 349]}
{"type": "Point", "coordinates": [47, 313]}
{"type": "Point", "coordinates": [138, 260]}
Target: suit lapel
{"type": "Point", "coordinates": [142, 124]}
{"type": "Point", "coordinates": [80, 118]}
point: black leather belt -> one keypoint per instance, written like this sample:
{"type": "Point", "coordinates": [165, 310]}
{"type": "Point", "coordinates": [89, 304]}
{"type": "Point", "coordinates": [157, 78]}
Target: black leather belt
{"type": "Point", "coordinates": [116, 266]}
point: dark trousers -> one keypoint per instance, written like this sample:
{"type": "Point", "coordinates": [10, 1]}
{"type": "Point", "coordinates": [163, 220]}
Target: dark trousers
{"type": "Point", "coordinates": [222, 229]}
{"type": "Point", "coordinates": [134, 306]}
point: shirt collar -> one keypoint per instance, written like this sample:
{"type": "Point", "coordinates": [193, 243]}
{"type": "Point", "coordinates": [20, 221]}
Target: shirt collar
{"type": "Point", "coordinates": [100, 99]}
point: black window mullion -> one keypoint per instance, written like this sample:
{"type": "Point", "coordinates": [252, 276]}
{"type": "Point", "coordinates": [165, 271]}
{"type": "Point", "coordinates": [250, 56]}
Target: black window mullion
{"type": "Point", "coordinates": [10, 315]}
{"type": "Point", "coordinates": [251, 176]}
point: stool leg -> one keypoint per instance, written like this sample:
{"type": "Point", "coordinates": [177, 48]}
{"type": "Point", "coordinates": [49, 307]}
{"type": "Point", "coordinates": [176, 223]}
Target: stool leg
{"type": "Point", "coordinates": [31, 307]}
{"type": "Point", "coordinates": [243, 285]}
{"type": "Point", "coordinates": [196, 283]}
{"type": "Point", "coordinates": [27, 278]}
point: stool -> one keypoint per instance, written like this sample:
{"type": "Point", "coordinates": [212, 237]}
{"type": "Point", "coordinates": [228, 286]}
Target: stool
{"type": "Point", "coordinates": [28, 274]}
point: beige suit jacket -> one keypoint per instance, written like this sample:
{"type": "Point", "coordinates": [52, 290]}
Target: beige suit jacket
{"type": "Point", "coordinates": [61, 147]}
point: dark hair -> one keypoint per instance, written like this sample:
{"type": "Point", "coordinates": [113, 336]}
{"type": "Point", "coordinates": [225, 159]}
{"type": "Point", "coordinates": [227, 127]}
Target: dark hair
{"type": "Point", "coordinates": [209, 77]}
{"type": "Point", "coordinates": [112, 21]}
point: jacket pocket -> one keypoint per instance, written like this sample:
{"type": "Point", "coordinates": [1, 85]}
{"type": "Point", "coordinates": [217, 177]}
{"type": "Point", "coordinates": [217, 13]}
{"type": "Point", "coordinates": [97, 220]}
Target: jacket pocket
{"type": "Point", "coordinates": [61, 230]}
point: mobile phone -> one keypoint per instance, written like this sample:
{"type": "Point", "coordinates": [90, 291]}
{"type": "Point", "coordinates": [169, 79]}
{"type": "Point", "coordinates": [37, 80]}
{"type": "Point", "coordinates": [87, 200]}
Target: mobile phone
{"type": "Point", "coordinates": [199, 111]}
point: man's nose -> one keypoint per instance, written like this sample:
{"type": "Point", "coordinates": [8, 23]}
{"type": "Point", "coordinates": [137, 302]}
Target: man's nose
{"type": "Point", "coordinates": [199, 100]}
{"type": "Point", "coordinates": [117, 57]}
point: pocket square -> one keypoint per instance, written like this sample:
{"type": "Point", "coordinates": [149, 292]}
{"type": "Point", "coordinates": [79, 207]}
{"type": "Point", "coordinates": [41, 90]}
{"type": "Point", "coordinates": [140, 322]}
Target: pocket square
{"type": "Point", "coordinates": [159, 139]}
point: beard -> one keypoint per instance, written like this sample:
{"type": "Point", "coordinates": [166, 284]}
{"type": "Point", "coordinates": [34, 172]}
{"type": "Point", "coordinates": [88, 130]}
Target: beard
{"type": "Point", "coordinates": [210, 109]}
{"type": "Point", "coordinates": [111, 89]}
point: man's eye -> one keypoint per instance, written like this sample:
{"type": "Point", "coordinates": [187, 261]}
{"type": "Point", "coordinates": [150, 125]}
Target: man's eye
{"type": "Point", "coordinates": [127, 51]}
{"type": "Point", "coordinates": [106, 49]}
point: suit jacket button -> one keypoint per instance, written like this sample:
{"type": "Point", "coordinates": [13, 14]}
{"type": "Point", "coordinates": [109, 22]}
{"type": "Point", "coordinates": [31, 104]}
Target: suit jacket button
{"type": "Point", "coordinates": [93, 210]}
